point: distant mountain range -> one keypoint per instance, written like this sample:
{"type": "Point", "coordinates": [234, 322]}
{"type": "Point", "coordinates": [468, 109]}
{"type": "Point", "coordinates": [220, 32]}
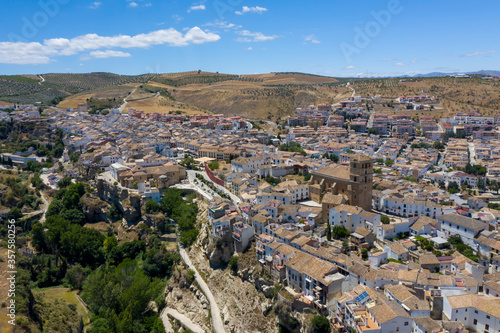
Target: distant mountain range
{"type": "Point", "coordinates": [481, 72]}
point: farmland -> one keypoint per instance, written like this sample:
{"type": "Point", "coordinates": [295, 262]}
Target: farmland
{"type": "Point", "coordinates": [272, 96]}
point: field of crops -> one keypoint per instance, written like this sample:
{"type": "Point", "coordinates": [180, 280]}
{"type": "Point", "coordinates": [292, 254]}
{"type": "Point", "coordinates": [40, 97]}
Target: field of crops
{"type": "Point", "coordinates": [193, 79]}
{"type": "Point", "coordinates": [23, 90]}
{"type": "Point", "coordinates": [75, 83]}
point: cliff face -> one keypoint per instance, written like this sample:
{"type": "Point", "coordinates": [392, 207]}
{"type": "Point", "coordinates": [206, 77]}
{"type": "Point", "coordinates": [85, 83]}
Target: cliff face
{"type": "Point", "coordinates": [95, 209]}
{"type": "Point", "coordinates": [220, 250]}
{"type": "Point", "coordinates": [131, 209]}
{"type": "Point", "coordinates": [128, 203]}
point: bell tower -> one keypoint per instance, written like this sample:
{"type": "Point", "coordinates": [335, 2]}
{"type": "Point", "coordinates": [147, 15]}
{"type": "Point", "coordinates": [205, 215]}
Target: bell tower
{"type": "Point", "coordinates": [361, 182]}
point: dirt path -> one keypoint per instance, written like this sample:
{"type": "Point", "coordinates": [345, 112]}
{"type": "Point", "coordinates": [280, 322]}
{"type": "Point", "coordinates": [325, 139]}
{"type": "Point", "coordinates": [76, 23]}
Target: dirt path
{"type": "Point", "coordinates": [217, 324]}
{"type": "Point", "coordinates": [185, 321]}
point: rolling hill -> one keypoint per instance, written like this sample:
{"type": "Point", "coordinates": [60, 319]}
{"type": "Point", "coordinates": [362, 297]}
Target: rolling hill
{"type": "Point", "coordinates": [272, 96]}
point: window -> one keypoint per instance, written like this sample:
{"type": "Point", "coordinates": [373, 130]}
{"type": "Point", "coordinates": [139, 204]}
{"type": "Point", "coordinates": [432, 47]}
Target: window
{"type": "Point", "coordinates": [487, 317]}
{"type": "Point", "coordinates": [406, 323]}
{"type": "Point", "coordinates": [475, 311]}
{"type": "Point", "coordinates": [475, 321]}
{"type": "Point", "coordinates": [486, 327]}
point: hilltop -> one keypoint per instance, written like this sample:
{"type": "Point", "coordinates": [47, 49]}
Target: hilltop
{"type": "Point", "coordinates": [271, 96]}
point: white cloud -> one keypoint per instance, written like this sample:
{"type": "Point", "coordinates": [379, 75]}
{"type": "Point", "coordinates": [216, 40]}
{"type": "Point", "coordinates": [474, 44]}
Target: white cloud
{"type": "Point", "coordinates": [138, 3]}
{"type": "Point", "coordinates": [390, 59]}
{"type": "Point", "coordinates": [479, 53]}
{"type": "Point", "coordinates": [414, 60]}
{"type": "Point", "coordinates": [253, 36]}
{"type": "Point", "coordinates": [250, 48]}
{"type": "Point", "coordinates": [109, 54]}
{"type": "Point", "coordinates": [223, 25]}
{"type": "Point", "coordinates": [312, 39]}
{"type": "Point", "coordinates": [42, 53]}
{"type": "Point", "coordinates": [350, 67]}
{"type": "Point", "coordinates": [400, 64]}
{"type": "Point", "coordinates": [256, 9]}
{"type": "Point", "coordinates": [95, 5]}
{"type": "Point", "coordinates": [196, 7]}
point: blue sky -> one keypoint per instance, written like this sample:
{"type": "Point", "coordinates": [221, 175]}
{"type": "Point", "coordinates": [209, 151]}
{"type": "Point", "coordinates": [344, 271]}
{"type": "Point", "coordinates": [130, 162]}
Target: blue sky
{"type": "Point", "coordinates": [328, 37]}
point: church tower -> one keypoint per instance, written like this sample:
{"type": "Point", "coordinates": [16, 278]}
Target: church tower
{"type": "Point", "coordinates": [361, 182]}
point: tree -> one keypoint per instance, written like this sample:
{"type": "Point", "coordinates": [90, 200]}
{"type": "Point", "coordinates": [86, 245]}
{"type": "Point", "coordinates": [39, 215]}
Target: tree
{"type": "Point", "coordinates": [364, 253]}
{"type": "Point", "coordinates": [379, 160]}
{"type": "Point", "coordinates": [213, 165]}
{"type": "Point", "coordinates": [345, 245]}
{"type": "Point", "coordinates": [14, 214]}
{"type": "Point", "coordinates": [320, 324]}
{"type": "Point", "coordinates": [339, 232]}
{"type": "Point", "coordinates": [152, 206]}
{"type": "Point", "coordinates": [453, 187]}
{"type": "Point", "coordinates": [75, 276]}
{"type": "Point", "coordinates": [114, 213]}
{"type": "Point", "coordinates": [389, 162]}
{"type": "Point", "coordinates": [385, 219]}
{"type": "Point", "coordinates": [329, 232]}
{"type": "Point", "coordinates": [438, 145]}
{"type": "Point", "coordinates": [233, 263]}
{"type": "Point", "coordinates": [38, 237]}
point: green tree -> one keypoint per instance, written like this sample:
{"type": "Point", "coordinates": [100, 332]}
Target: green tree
{"type": "Point", "coordinates": [14, 213]}
{"type": "Point", "coordinates": [75, 276]}
{"type": "Point", "coordinates": [453, 187]}
{"type": "Point", "coordinates": [233, 263]}
{"type": "Point", "coordinates": [152, 206]}
{"type": "Point", "coordinates": [213, 165]}
{"type": "Point", "coordinates": [389, 162]}
{"type": "Point", "coordinates": [339, 232]}
{"type": "Point", "coordinates": [385, 219]}
{"type": "Point", "coordinates": [320, 324]}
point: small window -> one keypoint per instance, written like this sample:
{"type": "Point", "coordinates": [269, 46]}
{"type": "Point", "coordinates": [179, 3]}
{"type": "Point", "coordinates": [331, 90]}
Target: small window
{"type": "Point", "coordinates": [487, 317]}
{"type": "Point", "coordinates": [475, 321]}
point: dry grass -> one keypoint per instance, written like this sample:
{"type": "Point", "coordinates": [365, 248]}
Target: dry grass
{"type": "Point", "coordinates": [73, 100]}
{"type": "Point", "coordinates": [163, 105]}
{"type": "Point", "coordinates": [69, 296]}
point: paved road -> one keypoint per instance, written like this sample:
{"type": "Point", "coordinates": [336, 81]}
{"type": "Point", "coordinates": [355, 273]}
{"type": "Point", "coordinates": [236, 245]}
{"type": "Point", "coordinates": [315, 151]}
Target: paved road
{"type": "Point", "coordinates": [185, 321]}
{"type": "Point", "coordinates": [472, 152]}
{"type": "Point", "coordinates": [192, 176]}
{"type": "Point", "coordinates": [217, 324]}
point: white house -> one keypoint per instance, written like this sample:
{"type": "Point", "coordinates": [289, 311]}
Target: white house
{"type": "Point", "coordinates": [465, 227]}
{"type": "Point", "coordinates": [477, 312]}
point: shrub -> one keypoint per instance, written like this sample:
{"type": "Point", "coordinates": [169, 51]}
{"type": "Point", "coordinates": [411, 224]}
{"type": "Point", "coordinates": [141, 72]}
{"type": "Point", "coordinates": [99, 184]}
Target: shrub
{"type": "Point", "coordinates": [233, 263]}
{"type": "Point", "coordinates": [320, 324]}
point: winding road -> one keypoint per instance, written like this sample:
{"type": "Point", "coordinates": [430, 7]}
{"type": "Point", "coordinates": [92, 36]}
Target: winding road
{"type": "Point", "coordinates": [185, 321]}
{"type": "Point", "coordinates": [217, 324]}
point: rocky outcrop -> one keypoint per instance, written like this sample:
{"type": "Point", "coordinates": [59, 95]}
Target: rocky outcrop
{"type": "Point", "coordinates": [109, 192]}
{"type": "Point", "coordinates": [131, 209]}
{"type": "Point", "coordinates": [129, 203]}
{"type": "Point", "coordinates": [220, 250]}
{"type": "Point", "coordinates": [95, 209]}
{"type": "Point", "coordinates": [156, 221]}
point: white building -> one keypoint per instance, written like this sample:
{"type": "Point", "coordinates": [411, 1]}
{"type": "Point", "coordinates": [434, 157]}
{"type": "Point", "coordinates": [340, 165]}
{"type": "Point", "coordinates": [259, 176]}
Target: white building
{"type": "Point", "coordinates": [465, 227]}
{"type": "Point", "coordinates": [477, 312]}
